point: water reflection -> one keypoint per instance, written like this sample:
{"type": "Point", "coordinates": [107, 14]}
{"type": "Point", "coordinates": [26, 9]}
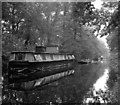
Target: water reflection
{"type": "Point", "coordinates": [99, 93]}
{"type": "Point", "coordinates": [101, 82]}
{"type": "Point", "coordinates": [70, 89]}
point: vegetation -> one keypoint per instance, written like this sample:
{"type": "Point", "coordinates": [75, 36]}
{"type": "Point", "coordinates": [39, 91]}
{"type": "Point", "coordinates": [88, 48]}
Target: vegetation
{"type": "Point", "coordinates": [25, 25]}
{"type": "Point", "coordinates": [72, 26]}
{"type": "Point", "coordinates": [113, 41]}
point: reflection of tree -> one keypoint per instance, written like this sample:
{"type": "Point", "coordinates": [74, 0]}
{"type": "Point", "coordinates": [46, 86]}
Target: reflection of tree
{"type": "Point", "coordinates": [100, 96]}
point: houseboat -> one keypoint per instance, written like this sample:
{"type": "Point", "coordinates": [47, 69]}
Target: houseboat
{"type": "Point", "coordinates": [39, 67]}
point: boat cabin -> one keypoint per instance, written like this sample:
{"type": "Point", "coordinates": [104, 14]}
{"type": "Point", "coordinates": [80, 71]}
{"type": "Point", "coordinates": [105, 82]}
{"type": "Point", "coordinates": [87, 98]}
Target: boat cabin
{"type": "Point", "coordinates": [45, 61]}
{"type": "Point", "coordinates": [39, 57]}
{"type": "Point", "coordinates": [41, 54]}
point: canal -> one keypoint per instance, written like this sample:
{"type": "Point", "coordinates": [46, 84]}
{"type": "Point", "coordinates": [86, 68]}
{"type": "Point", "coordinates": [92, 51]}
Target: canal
{"type": "Point", "coordinates": [77, 88]}
{"type": "Point", "coordinates": [99, 92]}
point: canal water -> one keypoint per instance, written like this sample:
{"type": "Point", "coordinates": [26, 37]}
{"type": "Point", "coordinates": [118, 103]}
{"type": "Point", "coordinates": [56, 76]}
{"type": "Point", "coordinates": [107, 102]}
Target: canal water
{"type": "Point", "coordinates": [77, 88]}
{"type": "Point", "coordinates": [99, 92]}
{"type": "Point", "coordinates": [80, 87]}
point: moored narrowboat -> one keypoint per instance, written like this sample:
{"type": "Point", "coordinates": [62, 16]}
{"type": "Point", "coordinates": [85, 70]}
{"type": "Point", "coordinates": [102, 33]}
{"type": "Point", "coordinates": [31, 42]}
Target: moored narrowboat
{"type": "Point", "coordinates": [45, 61]}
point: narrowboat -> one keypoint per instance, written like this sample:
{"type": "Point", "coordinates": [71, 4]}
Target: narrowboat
{"type": "Point", "coordinates": [44, 62]}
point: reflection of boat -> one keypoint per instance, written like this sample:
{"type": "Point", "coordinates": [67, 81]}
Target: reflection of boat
{"type": "Point", "coordinates": [29, 66]}
{"type": "Point", "coordinates": [30, 85]}
{"type": "Point", "coordinates": [84, 61]}
{"type": "Point", "coordinates": [96, 62]}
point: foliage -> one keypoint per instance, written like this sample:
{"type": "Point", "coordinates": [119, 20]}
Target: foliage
{"type": "Point", "coordinates": [25, 25]}
{"type": "Point", "coordinates": [40, 23]}
{"type": "Point", "coordinates": [115, 19]}
{"type": "Point", "coordinates": [83, 12]}
{"type": "Point", "coordinates": [83, 43]}
{"type": "Point", "coordinates": [31, 22]}
{"type": "Point", "coordinates": [113, 42]}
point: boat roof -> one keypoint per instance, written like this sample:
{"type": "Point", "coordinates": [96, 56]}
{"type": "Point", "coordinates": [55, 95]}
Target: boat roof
{"type": "Point", "coordinates": [33, 52]}
{"type": "Point", "coordinates": [22, 52]}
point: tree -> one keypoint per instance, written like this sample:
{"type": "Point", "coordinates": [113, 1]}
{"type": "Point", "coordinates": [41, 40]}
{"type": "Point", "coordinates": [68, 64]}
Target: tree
{"type": "Point", "coordinates": [113, 42]}
{"type": "Point", "coordinates": [42, 23]}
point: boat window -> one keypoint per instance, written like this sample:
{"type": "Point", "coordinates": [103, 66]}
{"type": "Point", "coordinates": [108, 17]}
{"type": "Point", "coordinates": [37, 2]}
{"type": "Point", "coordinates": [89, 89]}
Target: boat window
{"type": "Point", "coordinates": [58, 57]}
{"type": "Point", "coordinates": [48, 57]}
{"type": "Point", "coordinates": [73, 57]}
{"type": "Point", "coordinates": [70, 56]}
{"type": "Point", "coordinates": [51, 56]}
{"type": "Point", "coordinates": [20, 56]}
{"type": "Point", "coordinates": [29, 57]}
{"type": "Point", "coordinates": [38, 57]}
{"type": "Point", "coordinates": [61, 57]}
{"type": "Point", "coordinates": [66, 56]}
{"type": "Point", "coordinates": [55, 57]}
{"type": "Point", "coordinates": [12, 57]}
{"type": "Point", "coordinates": [43, 56]}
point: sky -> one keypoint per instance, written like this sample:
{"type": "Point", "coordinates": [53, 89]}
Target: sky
{"type": "Point", "coordinates": [97, 4]}
{"type": "Point", "coordinates": [101, 82]}
{"type": "Point", "coordinates": [103, 39]}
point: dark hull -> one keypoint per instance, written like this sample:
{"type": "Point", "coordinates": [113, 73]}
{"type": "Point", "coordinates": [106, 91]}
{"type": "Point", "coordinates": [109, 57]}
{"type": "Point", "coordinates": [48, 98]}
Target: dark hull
{"type": "Point", "coordinates": [28, 71]}
{"type": "Point", "coordinates": [83, 62]}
